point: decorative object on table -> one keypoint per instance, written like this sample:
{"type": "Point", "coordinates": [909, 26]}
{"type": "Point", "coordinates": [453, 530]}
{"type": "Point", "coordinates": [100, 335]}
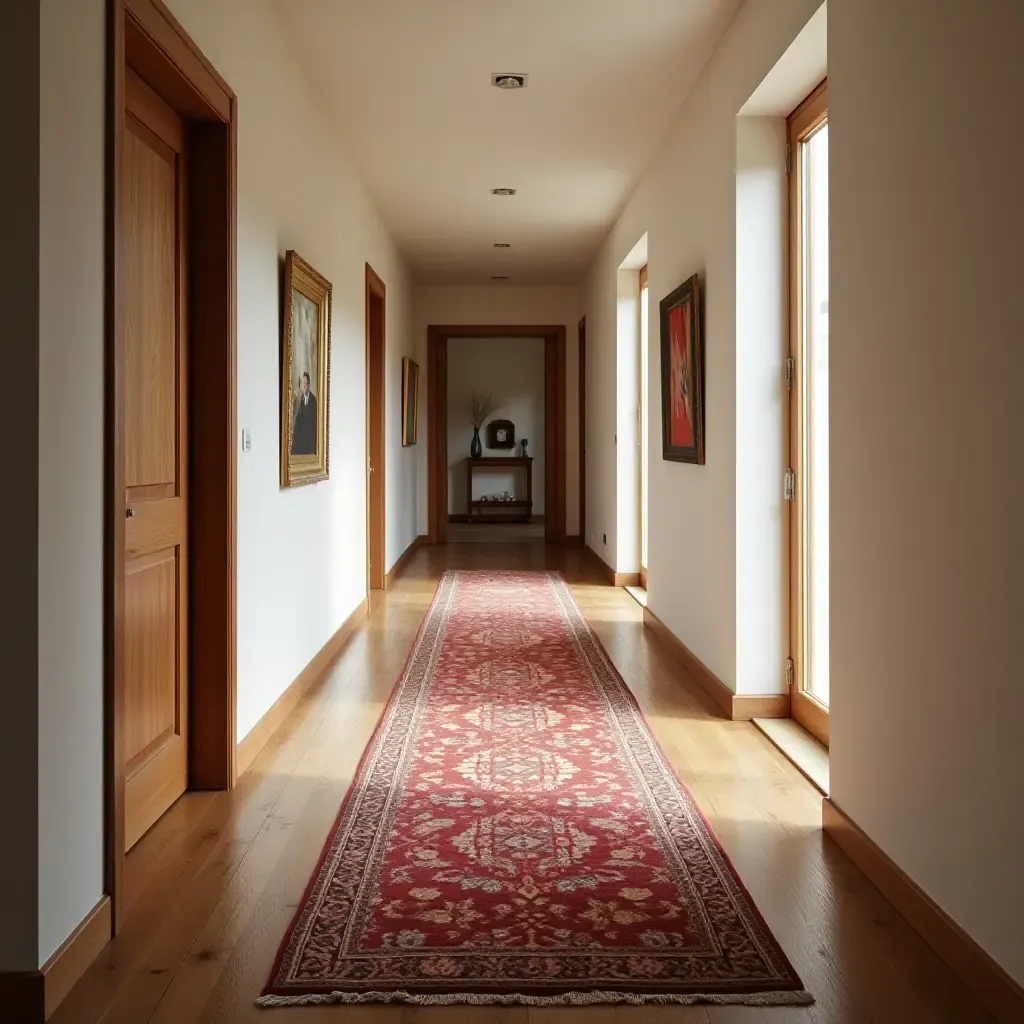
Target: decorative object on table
{"type": "Point", "coordinates": [410, 401]}
{"type": "Point", "coordinates": [479, 409]}
{"type": "Point", "coordinates": [305, 374]}
{"type": "Point", "coordinates": [682, 375]}
{"type": "Point", "coordinates": [456, 818]}
{"type": "Point", "coordinates": [501, 434]}
{"type": "Point", "coordinates": [522, 444]}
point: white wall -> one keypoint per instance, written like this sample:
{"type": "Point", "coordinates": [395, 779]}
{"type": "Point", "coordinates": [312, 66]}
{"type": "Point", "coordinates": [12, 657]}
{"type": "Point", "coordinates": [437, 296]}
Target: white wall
{"type": "Point", "coordinates": [512, 370]}
{"type": "Point", "coordinates": [762, 405]}
{"type": "Point", "coordinates": [72, 151]}
{"type": "Point", "coordinates": [301, 552]}
{"type": "Point", "coordinates": [927, 383]}
{"type": "Point", "coordinates": [504, 304]}
{"type": "Point", "coordinates": [289, 604]}
{"type": "Point", "coordinates": [686, 203]}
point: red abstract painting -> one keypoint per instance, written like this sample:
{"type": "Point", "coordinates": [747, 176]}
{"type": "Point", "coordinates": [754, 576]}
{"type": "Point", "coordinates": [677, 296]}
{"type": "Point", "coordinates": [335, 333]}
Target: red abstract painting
{"type": "Point", "coordinates": [682, 375]}
{"type": "Point", "coordinates": [680, 358]}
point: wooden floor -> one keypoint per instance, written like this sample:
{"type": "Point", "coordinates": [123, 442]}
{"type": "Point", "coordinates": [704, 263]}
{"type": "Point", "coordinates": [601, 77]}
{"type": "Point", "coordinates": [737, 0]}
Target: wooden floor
{"type": "Point", "coordinates": [212, 887]}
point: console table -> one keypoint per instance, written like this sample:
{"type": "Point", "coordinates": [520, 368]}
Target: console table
{"type": "Point", "coordinates": [514, 510]}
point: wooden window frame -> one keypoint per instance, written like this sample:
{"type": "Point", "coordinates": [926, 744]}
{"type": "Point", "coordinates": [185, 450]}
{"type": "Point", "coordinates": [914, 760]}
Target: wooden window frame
{"type": "Point", "coordinates": [802, 123]}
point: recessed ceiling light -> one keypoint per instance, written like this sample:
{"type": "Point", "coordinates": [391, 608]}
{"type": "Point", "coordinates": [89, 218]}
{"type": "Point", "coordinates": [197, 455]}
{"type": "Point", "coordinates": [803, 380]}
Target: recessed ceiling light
{"type": "Point", "coordinates": [509, 81]}
{"type": "Point", "coordinates": [502, 245]}
{"type": "Point", "coordinates": [498, 277]}
{"type": "Point", "coordinates": [503, 191]}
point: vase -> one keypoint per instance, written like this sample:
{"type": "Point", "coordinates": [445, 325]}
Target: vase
{"type": "Point", "coordinates": [476, 449]}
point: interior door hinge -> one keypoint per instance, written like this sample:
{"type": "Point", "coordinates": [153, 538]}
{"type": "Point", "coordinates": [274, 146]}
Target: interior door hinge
{"type": "Point", "coordinates": [790, 372]}
{"type": "Point", "coordinates": [789, 486]}
{"type": "Point", "coordinates": [789, 671]}
{"type": "Point", "coordinates": [789, 158]}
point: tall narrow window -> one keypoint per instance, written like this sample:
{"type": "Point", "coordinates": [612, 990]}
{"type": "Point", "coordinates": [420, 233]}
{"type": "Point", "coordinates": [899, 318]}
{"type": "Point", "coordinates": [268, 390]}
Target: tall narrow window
{"type": "Point", "coordinates": [642, 433]}
{"type": "Point", "coordinates": [807, 483]}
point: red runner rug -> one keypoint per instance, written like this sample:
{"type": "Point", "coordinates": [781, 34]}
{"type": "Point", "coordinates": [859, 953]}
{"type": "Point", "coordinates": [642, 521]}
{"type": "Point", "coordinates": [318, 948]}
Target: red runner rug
{"type": "Point", "coordinates": [514, 834]}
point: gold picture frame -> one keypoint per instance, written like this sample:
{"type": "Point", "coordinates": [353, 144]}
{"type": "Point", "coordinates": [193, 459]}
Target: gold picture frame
{"type": "Point", "coordinates": [410, 401]}
{"type": "Point", "coordinates": [305, 374]}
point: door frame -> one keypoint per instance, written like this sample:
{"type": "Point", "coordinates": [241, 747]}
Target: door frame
{"type": "Point", "coordinates": [581, 451]}
{"type": "Point", "coordinates": [437, 421]}
{"type": "Point", "coordinates": [145, 35]}
{"type": "Point", "coordinates": [376, 431]}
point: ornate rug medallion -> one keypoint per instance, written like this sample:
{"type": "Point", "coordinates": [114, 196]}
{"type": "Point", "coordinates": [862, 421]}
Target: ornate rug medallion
{"type": "Point", "coordinates": [514, 834]}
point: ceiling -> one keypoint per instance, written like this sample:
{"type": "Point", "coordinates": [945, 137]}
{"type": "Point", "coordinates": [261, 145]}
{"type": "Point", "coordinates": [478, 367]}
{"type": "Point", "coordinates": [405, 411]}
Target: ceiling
{"type": "Point", "coordinates": [409, 84]}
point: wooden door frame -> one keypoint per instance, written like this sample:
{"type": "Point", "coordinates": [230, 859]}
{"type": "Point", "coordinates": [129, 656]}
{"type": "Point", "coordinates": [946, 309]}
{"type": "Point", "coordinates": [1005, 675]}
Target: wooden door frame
{"type": "Point", "coordinates": [144, 34]}
{"type": "Point", "coordinates": [581, 336]}
{"type": "Point", "coordinates": [376, 428]}
{"type": "Point", "coordinates": [437, 421]}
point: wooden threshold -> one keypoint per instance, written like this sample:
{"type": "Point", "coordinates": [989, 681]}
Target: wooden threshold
{"type": "Point", "coordinates": [993, 986]}
{"type": "Point", "coordinates": [740, 707]}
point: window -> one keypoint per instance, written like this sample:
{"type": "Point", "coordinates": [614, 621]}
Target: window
{"type": "Point", "coordinates": [808, 484]}
{"type": "Point", "coordinates": [642, 414]}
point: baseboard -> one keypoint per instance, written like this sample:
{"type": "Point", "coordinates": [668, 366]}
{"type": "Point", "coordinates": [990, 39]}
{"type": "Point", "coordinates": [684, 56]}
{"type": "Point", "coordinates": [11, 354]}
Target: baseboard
{"type": "Point", "coordinates": [402, 560]}
{"type": "Point", "coordinates": [616, 579]}
{"type": "Point", "coordinates": [738, 707]}
{"type": "Point", "coordinates": [1000, 994]}
{"type": "Point", "coordinates": [254, 741]}
{"type": "Point", "coordinates": [31, 997]}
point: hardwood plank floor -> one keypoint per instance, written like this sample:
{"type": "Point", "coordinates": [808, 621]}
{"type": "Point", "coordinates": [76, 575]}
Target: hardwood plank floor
{"type": "Point", "coordinates": [211, 888]}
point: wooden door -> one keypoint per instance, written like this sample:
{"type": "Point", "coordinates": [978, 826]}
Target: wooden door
{"type": "Point", "coordinates": [375, 428]}
{"type": "Point", "coordinates": [155, 444]}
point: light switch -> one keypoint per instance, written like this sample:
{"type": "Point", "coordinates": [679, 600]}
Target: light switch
{"type": "Point", "coordinates": [246, 440]}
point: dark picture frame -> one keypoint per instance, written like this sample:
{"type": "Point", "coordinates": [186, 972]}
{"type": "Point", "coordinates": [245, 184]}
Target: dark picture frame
{"type": "Point", "coordinates": [410, 401]}
{"type": "Point", "coordinates": [682, 375]}
{"type": "Point", "coordinates": [501, 434]}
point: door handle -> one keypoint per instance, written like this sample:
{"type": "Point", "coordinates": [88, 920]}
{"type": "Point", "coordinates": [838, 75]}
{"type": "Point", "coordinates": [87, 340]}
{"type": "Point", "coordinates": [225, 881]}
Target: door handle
{"type": "Point", "coordinates": [129, 512]}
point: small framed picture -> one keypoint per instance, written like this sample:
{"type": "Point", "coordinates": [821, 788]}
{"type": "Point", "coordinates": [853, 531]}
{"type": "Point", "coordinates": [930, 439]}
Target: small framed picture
{"type": "Point", "coordinates": [410, 401]}
{"type": "Point", "coordinates": [501, 434]}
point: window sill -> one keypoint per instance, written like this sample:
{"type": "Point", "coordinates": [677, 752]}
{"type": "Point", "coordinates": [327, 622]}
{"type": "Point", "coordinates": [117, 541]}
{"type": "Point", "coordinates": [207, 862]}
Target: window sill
{"type": "Point", "coordinates": [800, 747]}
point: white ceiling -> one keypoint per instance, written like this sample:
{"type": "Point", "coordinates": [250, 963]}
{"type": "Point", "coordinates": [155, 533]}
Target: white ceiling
{"type": "Point", "coordinates": [409, 83]}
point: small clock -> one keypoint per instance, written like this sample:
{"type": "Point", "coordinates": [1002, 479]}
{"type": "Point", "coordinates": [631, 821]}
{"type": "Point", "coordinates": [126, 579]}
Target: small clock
{"type": "Point", "coordinates": [501, 434]}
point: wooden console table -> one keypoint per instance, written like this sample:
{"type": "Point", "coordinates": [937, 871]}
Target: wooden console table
{"type": "Point", "coordinates": [515, 510]}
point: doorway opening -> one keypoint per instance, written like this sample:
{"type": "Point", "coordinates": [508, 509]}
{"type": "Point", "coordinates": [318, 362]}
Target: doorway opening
{"type": "Point", "coordinates": [554, 354]}
{"type": "Point", "coordinates": [170, 539]}
{"type": "Point", "coordinates": [376, 539]}
{"type": "Point", "coordinates": [807, 481]}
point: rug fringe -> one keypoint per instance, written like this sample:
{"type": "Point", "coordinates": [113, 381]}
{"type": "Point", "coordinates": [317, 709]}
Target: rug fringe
{"type": "Point", "coordinates": [798, 998]}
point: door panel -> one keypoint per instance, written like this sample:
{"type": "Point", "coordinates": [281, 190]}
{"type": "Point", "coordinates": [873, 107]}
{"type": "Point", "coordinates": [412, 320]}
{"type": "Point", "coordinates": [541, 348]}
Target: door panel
{"type": "Point", "coordinates": [155, 722]}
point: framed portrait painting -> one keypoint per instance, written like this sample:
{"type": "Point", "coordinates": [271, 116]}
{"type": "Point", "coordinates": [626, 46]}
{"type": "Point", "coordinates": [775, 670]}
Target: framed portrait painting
{"type": "Point", "coordinates": [305, 374]}
{"type": "Point", "coordinates": [410, 401]}
{"type": "Point", "coordinates": [682, 375]}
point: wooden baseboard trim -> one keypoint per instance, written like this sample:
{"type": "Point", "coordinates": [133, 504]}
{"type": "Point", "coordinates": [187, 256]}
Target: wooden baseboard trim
{"type": "Point", "coordinates": [31, 997]}
{"type": "Point", "coordinates": [402, 560]}
{"type": "Point", "coordinates": [616, 579]}
{"type": "Point", "coordinates": [76, 954]}
{"type": "Point", "coordinates": [1000, 994]}
{"type": "Point", "coordinates": [738, 707]}
{"type": "Point", "coordinates": [254, 741]}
